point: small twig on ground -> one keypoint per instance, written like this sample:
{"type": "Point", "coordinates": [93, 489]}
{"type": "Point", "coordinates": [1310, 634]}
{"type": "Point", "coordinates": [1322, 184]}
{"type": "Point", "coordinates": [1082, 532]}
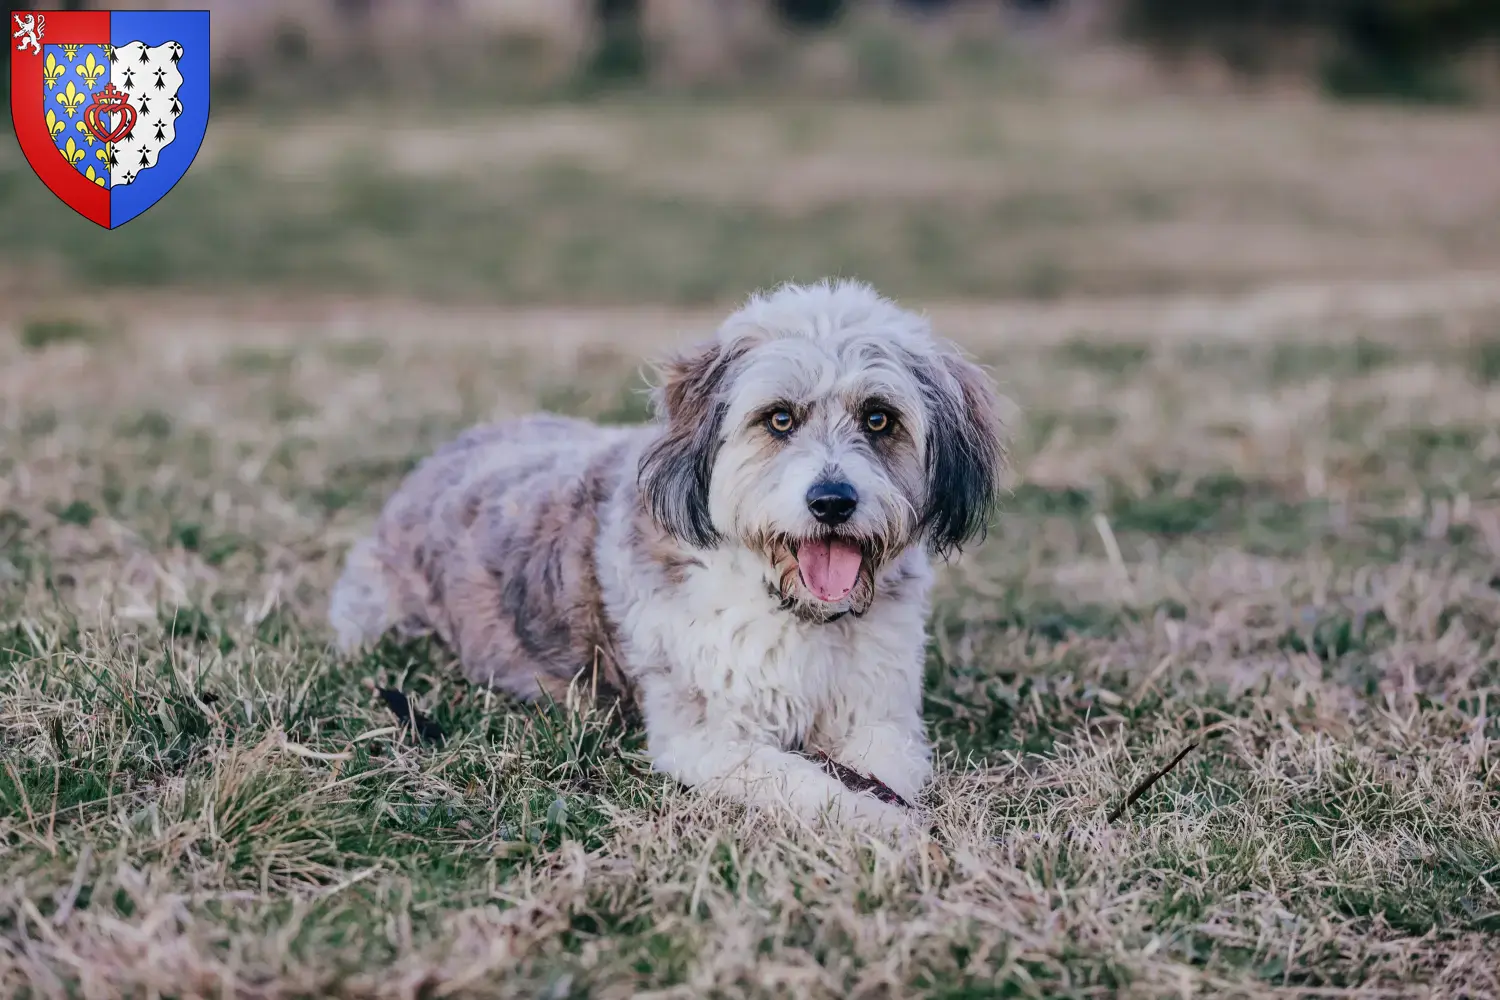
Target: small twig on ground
{"type": "Point", "coordinates": [856, 782]}
{"type": "Point", "coordinates": [1145, 786]}
{"type": "Point", "coordinates": [424, 727]}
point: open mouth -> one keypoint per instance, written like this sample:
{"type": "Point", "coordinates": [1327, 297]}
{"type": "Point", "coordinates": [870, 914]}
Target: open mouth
{"type": "Point", "coordinates": [829, 567]}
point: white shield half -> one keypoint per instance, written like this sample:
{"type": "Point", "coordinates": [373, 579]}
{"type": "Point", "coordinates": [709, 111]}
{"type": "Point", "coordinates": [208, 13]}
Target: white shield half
{"type": "Point", "coordinates": [149, 77]}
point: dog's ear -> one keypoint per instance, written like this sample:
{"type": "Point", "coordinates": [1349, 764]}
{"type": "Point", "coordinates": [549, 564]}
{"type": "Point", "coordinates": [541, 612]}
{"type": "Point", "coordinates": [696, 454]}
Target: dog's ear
{"type": "Point", "coordinates": [965, 452]}
{"type": "Point", "coordinates": [676, 469]}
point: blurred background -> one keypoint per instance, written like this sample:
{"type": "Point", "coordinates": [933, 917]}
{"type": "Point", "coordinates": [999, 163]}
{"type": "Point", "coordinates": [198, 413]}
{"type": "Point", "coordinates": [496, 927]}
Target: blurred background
{"type": "Point", "coordinates": [683, 152]}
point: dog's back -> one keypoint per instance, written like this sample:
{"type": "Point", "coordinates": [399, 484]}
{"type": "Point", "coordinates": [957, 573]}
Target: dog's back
{"type": "Point", "coordinates": [489, 543]}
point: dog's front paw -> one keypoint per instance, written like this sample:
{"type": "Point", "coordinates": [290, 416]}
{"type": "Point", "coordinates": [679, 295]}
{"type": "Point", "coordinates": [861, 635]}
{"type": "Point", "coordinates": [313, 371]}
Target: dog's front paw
{"type": "Point", "coordinates": [865, 812]}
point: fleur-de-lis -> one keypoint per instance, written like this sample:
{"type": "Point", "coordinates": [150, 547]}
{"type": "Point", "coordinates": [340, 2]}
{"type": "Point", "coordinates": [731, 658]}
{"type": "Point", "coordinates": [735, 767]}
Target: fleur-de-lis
{"type": "Point", "coordinates": [96, 178]}
{"type": "Point", "coordinates": [56, 124]}
{"type": "Point", "coordinates": [109, 52]}
{"type": "Point", "coordinates": [71, 51]}
{"type": "Point", "coordinates": [106, 155]}
{"type": "Point", "coordinates": [83, 130]}
{"type": "Point", "coordinates": [52, 70]}
{"type": "Point", "coordinates": [91, 70]}
{"type": "Point", "coordinates": [71, 99]}
{"type": "Point", "coordinates": [72, 152]}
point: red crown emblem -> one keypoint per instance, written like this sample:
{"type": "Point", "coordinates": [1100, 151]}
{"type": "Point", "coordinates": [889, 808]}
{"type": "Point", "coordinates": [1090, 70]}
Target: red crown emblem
{"type": "Point", "coordinates": [109, 101]}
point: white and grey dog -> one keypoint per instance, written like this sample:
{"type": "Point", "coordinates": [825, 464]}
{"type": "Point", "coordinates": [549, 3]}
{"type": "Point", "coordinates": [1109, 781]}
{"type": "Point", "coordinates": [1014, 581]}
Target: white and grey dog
{"type": "Point", "coordinates": [751, 572]}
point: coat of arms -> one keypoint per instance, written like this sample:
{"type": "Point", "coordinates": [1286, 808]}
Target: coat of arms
{"type": "Point", "coordinates": [110, 107]}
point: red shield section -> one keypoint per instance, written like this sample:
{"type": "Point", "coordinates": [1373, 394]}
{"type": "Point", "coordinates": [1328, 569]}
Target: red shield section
{"type": "Point", "coordinates": [28, 107]}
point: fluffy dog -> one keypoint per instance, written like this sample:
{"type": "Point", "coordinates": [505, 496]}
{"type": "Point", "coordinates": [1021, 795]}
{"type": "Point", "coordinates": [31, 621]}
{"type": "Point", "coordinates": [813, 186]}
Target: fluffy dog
{"type": "Point", "coordinates": [751, 571]}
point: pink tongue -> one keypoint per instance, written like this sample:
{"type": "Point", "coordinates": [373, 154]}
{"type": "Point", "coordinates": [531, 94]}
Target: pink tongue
{"type": "Point", "coordinates": [829, 568]}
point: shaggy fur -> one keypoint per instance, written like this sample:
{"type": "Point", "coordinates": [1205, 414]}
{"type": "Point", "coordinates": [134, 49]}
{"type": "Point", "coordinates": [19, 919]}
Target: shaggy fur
{"type": "Point", "coordinates": [660, 564]}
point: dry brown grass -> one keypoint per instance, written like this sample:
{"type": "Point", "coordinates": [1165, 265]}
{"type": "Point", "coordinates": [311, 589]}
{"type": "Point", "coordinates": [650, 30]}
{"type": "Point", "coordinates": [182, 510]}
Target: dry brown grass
{"type": "Point", "coordinates": [198, 799]}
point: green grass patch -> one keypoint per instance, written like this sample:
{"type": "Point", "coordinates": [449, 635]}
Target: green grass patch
{"type": "Point", "coordinates": [1103, 355]}
{"type": "Point", "coordinates": [1297, 361]}
{"type": "Point", "coordinates": [41, 332]}
{"type": "Point", "coordinates": [1484, 359]}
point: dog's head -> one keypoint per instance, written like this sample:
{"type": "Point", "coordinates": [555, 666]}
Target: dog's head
{"type": "Point", "coordinates": [827, 429]}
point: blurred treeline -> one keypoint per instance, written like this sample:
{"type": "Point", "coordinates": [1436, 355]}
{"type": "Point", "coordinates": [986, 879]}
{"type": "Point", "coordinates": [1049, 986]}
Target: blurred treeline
{"type": "Point", "coordinates": [1425, 50]}
{"type": "Point", "coordinates": [278, 52]}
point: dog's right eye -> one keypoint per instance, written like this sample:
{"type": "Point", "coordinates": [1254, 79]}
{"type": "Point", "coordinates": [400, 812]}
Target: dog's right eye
{"type": "Point", "coordinates": [781, 423]}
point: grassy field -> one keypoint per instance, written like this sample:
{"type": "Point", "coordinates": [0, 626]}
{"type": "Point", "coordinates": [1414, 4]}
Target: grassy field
{"type": "Point", "coordinates": [673, 202]}
{"type": "Point", "coordinates": [1254, 511]}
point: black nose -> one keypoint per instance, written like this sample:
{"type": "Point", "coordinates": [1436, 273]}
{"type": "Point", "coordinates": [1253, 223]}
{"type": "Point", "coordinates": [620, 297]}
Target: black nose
{"type": "Point", "coordinates": [832, 503]}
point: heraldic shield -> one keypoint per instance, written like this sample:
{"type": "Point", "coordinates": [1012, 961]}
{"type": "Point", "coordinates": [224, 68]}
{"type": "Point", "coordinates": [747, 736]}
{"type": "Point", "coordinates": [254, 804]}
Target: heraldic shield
{"type": "Point", "coordinates": [109, 107]}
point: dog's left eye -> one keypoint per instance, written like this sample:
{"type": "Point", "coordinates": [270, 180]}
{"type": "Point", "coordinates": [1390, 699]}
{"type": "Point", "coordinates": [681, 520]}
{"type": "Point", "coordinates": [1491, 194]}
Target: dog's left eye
{"type": "Point", "coordinates": [877, 421]}
{"type": "Point", "coordinates": [781, 422]}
